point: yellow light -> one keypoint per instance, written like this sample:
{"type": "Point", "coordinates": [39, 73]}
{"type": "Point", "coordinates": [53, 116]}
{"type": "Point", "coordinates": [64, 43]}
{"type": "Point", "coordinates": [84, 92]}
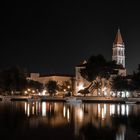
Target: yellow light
{"type": "Point", "coordinates": [25, 92]}
{"type": "Point", "coordinates": [80, 114]}
{"type": "Point", "coordinates": [68, 114]}
{"type": "Point", "coordinates": [33, 110]}
{"type": "Point", "coordinates": [29, 89]}
{"type": "Point", "coordinates": [25, 107]}
{"type": "Point", "coordinates": [33, 91]}
{"type": "Point", "coordinates": [43, 108]}
{"type": "Point", "coordinates": [28, 110]}
{"type": "Point", "coordinates": [44, 92]}
{"type": "Point", "coordinates": [80, 87]}
{"type": "Point", "coordinates": [64, 111]}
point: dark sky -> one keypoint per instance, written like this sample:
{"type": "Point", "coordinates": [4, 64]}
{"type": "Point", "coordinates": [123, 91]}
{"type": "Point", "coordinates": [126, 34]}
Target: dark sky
{"type": "Point", "coordinates": [55, 37]}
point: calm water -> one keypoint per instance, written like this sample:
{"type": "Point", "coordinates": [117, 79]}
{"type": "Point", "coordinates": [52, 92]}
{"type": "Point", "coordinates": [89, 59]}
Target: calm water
{"type": "Point", "coordinates": [50, 121]}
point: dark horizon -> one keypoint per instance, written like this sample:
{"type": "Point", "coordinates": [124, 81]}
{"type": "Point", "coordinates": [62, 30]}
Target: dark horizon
{"type": "Point", "coordinates": [55, 37]}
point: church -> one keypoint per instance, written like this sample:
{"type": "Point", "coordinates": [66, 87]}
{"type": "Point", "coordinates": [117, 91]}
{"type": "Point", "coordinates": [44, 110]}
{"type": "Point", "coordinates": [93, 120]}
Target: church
{"type": "Point", "coordinates": [118, 55]}
{"type": "Point", "coordinates": [77, 82]}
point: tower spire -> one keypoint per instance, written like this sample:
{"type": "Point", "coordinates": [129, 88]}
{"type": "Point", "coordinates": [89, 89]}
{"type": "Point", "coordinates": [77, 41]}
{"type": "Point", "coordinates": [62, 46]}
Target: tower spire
{"type": "Point", "coordinates": [118, 38]}
{"type": "Point", "coordinates": [119, 49]}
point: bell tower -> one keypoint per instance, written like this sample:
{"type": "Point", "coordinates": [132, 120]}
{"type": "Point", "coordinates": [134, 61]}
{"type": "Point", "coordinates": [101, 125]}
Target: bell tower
{"type": "Point", "coordinates": [119, 49]}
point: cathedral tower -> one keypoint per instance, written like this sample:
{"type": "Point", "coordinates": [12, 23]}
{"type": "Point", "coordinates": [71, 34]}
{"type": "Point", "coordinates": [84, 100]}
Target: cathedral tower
{"type": "Point", "coordinates": [119, 50]}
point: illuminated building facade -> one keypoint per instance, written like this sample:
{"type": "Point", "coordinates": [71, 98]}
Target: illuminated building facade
{"type": "Point", "coordinates": [118, 55]}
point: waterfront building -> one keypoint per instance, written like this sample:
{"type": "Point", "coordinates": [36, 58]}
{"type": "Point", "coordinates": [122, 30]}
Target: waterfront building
{"type": "Point", "coordinates": [118, 55]}
{"type": "Point", "coordinates": [78, 82]}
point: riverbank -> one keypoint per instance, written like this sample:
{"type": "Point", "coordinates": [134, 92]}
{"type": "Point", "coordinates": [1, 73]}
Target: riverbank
{"type": "Point", "coordinates": [88, 99]}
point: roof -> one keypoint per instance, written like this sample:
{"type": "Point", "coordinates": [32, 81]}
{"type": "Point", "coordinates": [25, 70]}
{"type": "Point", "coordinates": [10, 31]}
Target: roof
{"type": "Point", "coordinates": [56, 74]}
{"type": "Point", "coordinates": [83, 64]}
{"type": "Point", "coordinates": [118, 38]}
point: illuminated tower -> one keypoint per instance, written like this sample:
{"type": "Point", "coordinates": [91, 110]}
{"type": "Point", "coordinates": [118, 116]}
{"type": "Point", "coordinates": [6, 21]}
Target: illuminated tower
{"type": "Point", "coordinates": [119, 50]}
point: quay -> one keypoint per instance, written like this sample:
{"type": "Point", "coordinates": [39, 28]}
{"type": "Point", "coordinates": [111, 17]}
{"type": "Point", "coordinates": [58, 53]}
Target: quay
{"type": "Point", "coordinates": [87, 99]}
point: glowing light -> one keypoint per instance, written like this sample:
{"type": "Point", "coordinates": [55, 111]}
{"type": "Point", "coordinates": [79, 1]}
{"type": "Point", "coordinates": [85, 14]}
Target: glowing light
{"type": "Point", "coordinates": [99, 109]}
{"type": "Point", "coordinates": [118, 109]}
{"type": "Point", "coordinates": [112, 109]}
{"type": "Point", "coordinates": [43, 108]}
{"type": "Point", "coordinates": [29, 89]}
{"type": "Point", "coordinates": [64, 111]}
{"type": "Point", "coordinates": [44, 92]}
{"type": "Point", "coordinates": [36, 108]}
{"type": "Point", "coordinates": [118, 94]}
{"type": "Point", "coordinates": [122, 109]}
{"type": "Point", "coordinates": [28, 110]}
{"type": "Point", "coordinates": [105, 109]}
{"type": "Point", "coordinates": [68, 114]}
{"type": "Point", "coordinates": [25, 92]}
{"type": "Point", "coordinates": [127, 94]}
{"type": "Point", "coordinates": [80, 87]}
{"type": "Point", "coordinates": [123, 94]}
{"type": "Point", "coordinates": [104, 90]}
{"type": "Point", "coordinates": [103, 113]}
{"type": "Point", "coordinates": [127, 110]}
{"type": "Point", "coordinates": [33, 91]}
{"type": "Point", "coordinates": [33, 110]}
{"type": "Point", "coordinates": [80, 114]}
{"type": "Point", "coordinates": [39, 110]}
{"type": "Point", "coordinates": [25, 107]}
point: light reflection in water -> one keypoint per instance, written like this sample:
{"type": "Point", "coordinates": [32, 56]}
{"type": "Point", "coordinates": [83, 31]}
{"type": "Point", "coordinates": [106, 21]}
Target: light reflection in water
{"type": "Point", "coordinates": [80, 114]}
{"type": "Point", "coordinates": [112, 109]}
{"type": "Point", "coordinates": [36, 104]}
{"type": "Point", "coordinates": [64, 111]}
{"type": "Point", "coordinates": [33, 109]}
{"type": "Point", "coordinates": [127, 110]}
{"type": "Point", "coordinates": [28, 109]}
{"type": "Point", "coordinates": [25, 107]}
{"type": "Point", "coordinates": [68, 114]}
{"type": "Point", "coordinates": [103, 110]}
{"type": "Point", "coordinates": [123, 109]}
{"type": "Point", "coordinates": [118, 109]}
{"type": "Point", "coordinates": [43, 108]}
{"type": "Point", "coordinates": [99, 115]}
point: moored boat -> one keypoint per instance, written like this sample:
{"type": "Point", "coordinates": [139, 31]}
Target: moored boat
{"type": "Point", "coordinates": [73, 100]}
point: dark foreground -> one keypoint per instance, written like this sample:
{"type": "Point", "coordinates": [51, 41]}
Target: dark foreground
{"type": "Point", "coordinates": [60, 120]}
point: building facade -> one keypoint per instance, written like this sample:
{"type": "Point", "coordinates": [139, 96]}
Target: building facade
{"type": "Point", "coordinates": [60, 79]}
{"type": "Point", "coordinates": [118, 55]}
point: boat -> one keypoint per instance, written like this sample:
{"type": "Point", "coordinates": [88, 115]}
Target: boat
{"type": "Point", "coordinates": [73, 100]}
{"type": "Point", "coordinates": [5, 98]}
{"type": "Point", "coordinates": [130, 102]}
{"type": "Point", "coordinates": [33, 99]}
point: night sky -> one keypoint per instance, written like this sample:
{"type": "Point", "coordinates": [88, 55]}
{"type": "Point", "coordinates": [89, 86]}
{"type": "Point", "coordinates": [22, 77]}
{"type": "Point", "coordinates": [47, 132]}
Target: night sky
{"type": "Point", "coordinates": [55, 37]}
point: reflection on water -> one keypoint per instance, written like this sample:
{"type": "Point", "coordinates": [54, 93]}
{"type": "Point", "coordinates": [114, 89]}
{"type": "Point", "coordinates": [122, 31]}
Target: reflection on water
{"type": "Point", "coordinates": [80, 115]}
{"type": "Point", "coordinates": [83, 121]}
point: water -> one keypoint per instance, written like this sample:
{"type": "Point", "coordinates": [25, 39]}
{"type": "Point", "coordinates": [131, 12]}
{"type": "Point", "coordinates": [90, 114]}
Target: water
{"type": "Point", "coordinates": [51, 121]}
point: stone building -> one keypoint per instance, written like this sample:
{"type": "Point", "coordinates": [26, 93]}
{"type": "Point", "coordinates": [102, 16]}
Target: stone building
{"type": "Point", "coordinates": [118, 54]}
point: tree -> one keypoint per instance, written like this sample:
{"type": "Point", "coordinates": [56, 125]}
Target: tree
{"type": "Point", "coordinates": [13, 79]}
{"type": "Point", "coordinates": [98, 66]}
{"type": "Point", "coordinates": [66, 87]}
{"type": "Point", "coordinates": [34, 84]}
{"type": "Point", "coordinates": [135, 80]}
{"type": "Point", "coordinates": [52, 87]}
{"type": "Point", "coordinates": [96, 69]}
{"type": "Point", "coordinates": [120, 83]}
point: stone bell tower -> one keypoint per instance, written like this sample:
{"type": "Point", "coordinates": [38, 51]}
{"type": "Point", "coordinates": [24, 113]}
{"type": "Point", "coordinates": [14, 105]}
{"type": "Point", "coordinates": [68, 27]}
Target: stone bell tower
{"type": "Point", "coordinates": [119, 50]}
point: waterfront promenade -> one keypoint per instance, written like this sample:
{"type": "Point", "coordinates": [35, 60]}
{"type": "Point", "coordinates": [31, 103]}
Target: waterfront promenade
{"type": "Point", "coordinates": [88, 99]}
